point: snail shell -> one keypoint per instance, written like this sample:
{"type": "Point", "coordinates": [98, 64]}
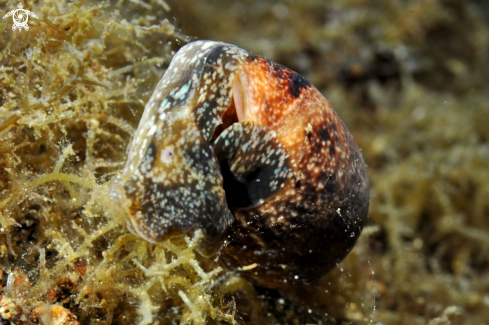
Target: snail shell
{"type": "Point", "coordinates": [252, 154]}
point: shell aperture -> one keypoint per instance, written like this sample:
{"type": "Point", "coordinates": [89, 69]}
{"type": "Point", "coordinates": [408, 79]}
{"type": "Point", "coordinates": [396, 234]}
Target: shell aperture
{"type": "Point", "coordinates": [251, 153]}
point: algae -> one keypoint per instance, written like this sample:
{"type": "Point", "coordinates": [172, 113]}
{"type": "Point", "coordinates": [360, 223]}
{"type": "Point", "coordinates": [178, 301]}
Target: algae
{"type": "Point", "coordinates": [409, 78]}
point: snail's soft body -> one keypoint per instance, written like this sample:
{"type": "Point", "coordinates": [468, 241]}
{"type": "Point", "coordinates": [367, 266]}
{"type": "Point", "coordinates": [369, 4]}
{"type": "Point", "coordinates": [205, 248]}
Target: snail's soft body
{"type": "Point", "coordinates": [252, 154]}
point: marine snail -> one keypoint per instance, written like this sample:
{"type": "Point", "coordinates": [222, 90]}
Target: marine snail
{"type": "Point", "coordinates": [252, 154]}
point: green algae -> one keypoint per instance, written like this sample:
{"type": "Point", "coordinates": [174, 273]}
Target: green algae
{"type": "Point", "coordinates": [73, 87]}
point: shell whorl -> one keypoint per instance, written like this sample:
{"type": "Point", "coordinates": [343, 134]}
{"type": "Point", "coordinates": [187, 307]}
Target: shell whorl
{"type": "Point", "coordinates": [251, 153]}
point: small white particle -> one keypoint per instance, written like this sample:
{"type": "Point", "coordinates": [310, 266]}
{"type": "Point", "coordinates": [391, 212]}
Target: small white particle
{"type": "Point", "coordinates": [167, 155]}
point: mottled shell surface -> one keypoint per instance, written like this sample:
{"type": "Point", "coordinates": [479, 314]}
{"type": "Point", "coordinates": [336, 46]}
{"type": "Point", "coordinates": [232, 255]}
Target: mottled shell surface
{"type": "Point", "coordinates": [252, 154]}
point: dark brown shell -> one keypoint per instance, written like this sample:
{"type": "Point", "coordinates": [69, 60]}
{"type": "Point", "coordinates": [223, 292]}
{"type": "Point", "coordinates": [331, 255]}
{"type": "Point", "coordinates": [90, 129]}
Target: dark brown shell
{"type": "Point", "coordinates": [307, 228]}
{"type": "Point", "coordinates": [251, 153]}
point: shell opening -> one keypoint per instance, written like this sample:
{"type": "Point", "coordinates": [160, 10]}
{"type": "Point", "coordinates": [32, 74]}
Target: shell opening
{"type": "Point", "coordinates": [236, 111]}
{"type": "Point", "coordinates": [238, 98]}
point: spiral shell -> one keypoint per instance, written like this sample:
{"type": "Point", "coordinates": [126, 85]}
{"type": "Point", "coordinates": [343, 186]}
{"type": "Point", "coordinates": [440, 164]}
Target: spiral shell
{"type": "Point", "coordinates": [252, 154]}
